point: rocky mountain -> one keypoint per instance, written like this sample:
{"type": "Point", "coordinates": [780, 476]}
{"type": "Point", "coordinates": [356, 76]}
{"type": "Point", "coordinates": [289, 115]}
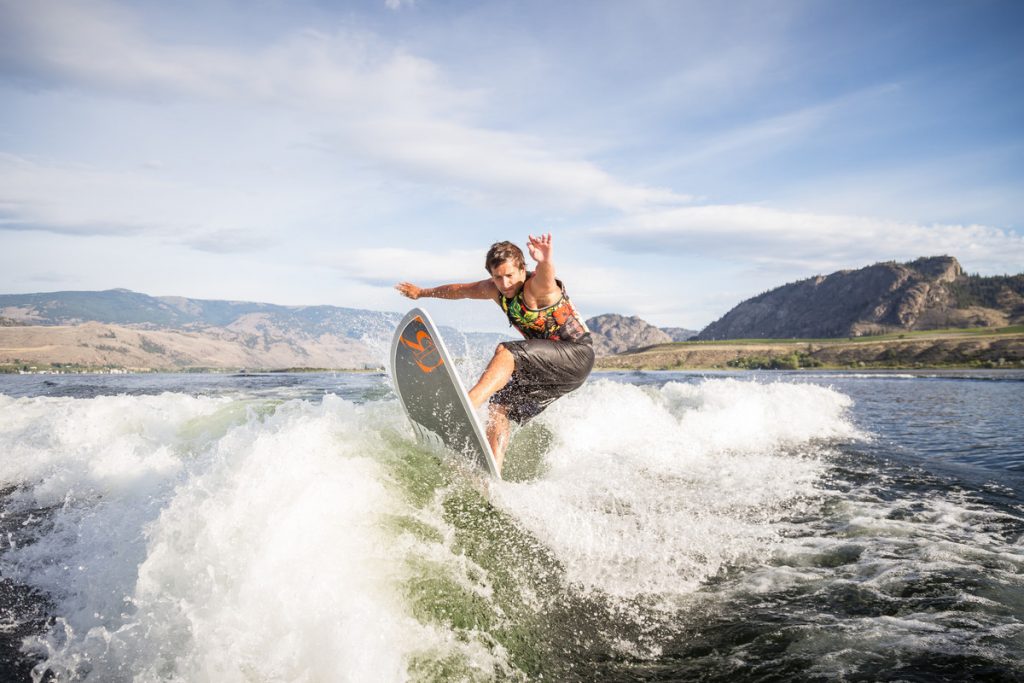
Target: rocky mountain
{"type": "Point", "coordinates": [614, 333]}
{"type": "Point", "coordinates": [679, 334]}
{"type": "Point", "coordinates": [926, 294]}
{"type": "Point", "coordinates": [122, 328]}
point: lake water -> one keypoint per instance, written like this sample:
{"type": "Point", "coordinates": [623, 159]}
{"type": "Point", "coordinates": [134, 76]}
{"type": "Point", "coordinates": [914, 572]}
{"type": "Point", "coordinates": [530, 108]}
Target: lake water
{"type": "Point", "coordinates": [653, 526]}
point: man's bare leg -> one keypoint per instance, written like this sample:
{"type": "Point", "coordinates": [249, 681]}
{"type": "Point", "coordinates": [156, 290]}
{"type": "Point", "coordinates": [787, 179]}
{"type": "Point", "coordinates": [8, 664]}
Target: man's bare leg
{"type": "Point", "coordinates": [496, 376]}
{"type": "Point", "coordinates": [493, 379]}
{"type": "Point", "coordinates": [498, 432]}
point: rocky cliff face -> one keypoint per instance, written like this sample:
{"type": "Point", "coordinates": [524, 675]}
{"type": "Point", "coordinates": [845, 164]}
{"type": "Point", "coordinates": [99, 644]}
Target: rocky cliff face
{"type": "Point", "coordinates": [614, 333]}
{"type": "Point", "coordinates": [929, 293]}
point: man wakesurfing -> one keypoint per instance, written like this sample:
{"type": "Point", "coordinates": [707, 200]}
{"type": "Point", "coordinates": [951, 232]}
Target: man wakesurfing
{"type": "Point", "coordinates": [555, 357]}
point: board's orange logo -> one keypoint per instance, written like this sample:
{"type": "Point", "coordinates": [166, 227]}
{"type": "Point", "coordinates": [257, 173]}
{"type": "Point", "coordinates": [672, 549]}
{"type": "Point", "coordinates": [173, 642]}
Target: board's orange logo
{"type": "Point", "coordinates": [424, 352]}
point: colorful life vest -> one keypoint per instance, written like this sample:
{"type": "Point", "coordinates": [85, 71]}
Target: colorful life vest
{"type": "Point", "coordinates": [560, 321]}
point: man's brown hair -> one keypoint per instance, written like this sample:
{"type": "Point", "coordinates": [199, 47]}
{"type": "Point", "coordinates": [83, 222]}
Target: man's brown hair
{"type": "Point", "coordinates": [501, 252]}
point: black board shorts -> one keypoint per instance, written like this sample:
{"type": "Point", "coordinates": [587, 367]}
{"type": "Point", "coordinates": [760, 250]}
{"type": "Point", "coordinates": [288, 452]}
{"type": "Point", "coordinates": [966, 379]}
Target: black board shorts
{"type": "Point", "coordinates": [545, 370]}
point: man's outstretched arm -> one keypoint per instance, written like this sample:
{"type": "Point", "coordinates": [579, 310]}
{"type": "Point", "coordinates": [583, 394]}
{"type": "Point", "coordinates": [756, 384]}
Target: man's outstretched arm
{"type": "Point", "coordinates": [484, 289]}
{"type": "Point", "coordinates": [543, 285]}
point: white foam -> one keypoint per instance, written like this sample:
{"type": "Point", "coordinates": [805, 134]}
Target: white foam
{"type": "Point", "coordinates": [194, 540]}
{"type": "Point", "coordinates": [854, 375]}
{"type": "Point", "coordinates": [651, 491]}
{"type": "Point", "coordinates": [227, 539]}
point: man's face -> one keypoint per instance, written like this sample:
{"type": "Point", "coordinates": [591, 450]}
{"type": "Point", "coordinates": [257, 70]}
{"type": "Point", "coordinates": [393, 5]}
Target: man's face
{"type": "Point", "coordinates": [508, 277]}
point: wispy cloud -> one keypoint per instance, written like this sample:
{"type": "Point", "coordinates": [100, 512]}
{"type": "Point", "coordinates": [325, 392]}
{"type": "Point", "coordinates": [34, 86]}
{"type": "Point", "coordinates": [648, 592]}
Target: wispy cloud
{"type": "Point", "coordinates": [807, 240]}
{"type": "Point", "coordinates": [15, 217]}
{"type": "Point", "coordinates": [498, 165]}
{"type": "Point", "coordinates": [101, 45]}
{"type": "Point", "coordinates": [231, 241]}
{"type": "Point", "coordinates": [387, 266]}
{"type": "Point", "coordinates": [82, 200]}
{"type": "Point", "coordinates": [598, 289]}
{"type": "Point", "coordinates": [392, 108]}
{"type": "Point", "coordinates": [75, 199]}
{"type": "Point", "coordinates": [751, 139]}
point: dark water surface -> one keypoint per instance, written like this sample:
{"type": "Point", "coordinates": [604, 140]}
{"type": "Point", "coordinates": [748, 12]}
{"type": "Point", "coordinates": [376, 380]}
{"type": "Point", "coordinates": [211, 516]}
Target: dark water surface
{"type": "Point", "coordinates": [654, 526]}
{"type": "Point", "coordinates": [912, 569]}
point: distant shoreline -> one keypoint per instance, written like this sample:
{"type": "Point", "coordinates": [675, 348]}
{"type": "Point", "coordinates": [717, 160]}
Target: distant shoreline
{"type": "Point", "coordinates": [983, 348]}
{"type": "Point", "coordinates": [8, 370]}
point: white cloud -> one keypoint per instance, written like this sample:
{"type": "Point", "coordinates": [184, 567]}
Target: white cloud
{"type": "Point", "coordinates": [677, 298]}
{"type": "Point", "coordinates": [101, 45]}
{"type": "Point", "coordinates": [819, 242]}
{"type": "Point", "coordinates": [78, 199]}
{"type": "Point", "coordinates": [598, 289]}
{"type": "Point", "coordinates": [230, 241]}
{"type": "Point", "coordinates": [386, 266]}
{"type": "Point", "coordinates": [392, 108]}
{"type": "Point", "coordinates": [499, 164]}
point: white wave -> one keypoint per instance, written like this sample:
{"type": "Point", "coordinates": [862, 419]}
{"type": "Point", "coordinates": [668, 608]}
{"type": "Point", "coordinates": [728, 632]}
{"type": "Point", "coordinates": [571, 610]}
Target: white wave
{"type": "Point", "coordinates": [856, 375]}
{"type": "Point", "coordinates": [213, 539]}
{"type": "Point", "coordinates": [651, 491]}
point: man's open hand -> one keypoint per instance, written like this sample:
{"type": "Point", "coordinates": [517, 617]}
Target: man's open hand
{"type": "Point", "coordinates": [540, 248]}
{"type": "Point", "coordinates": [409, 289]}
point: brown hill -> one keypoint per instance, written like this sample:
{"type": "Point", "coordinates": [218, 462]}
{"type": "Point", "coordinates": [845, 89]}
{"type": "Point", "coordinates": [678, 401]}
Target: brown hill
{"type": "Point", "coordinates": [124, 329]}
{"type": "Point", "coordinates": [100, 345]}
{"type": "Point", "coordinates": [613, 333]}
{"type": "Point", "coordinates": [926, 294]}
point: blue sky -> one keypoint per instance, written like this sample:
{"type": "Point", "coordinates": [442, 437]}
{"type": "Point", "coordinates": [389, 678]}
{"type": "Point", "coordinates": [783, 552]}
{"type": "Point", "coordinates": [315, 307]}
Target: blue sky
{"type": "Point", "coordinates": [685, 155]}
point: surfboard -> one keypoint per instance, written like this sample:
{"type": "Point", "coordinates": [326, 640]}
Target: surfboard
{"type": "Point", "coordinates": [432, 394]}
